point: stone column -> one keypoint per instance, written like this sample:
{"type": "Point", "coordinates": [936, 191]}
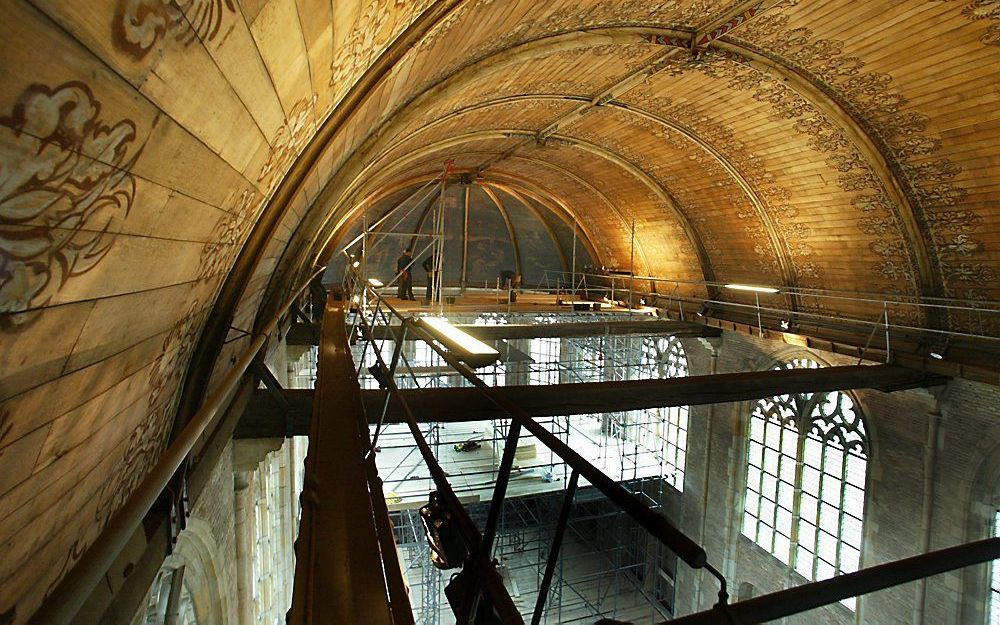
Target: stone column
{"type": "Point", "coordinates": [935, 436]}
{"type": "Point", "coordinates": [242, 482]}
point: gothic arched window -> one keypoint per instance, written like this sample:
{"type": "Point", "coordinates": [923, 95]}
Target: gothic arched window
{"type": "Point", "coordinates": [664, 357]}
{"type": "Point", "coordinates": [807, 457]}
{"type": "Point", "coordinates": [995, 577]}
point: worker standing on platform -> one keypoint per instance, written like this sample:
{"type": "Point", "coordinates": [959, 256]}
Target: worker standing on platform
{"type": "Point", "coordinates": [403, 263]}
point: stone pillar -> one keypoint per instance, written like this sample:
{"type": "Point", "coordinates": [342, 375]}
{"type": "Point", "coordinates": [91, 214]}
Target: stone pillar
{"type": "Point", "coordinates": [935, 436]}
{"type": "Point", "coordinates": [697, 485]}
{"type": "Point", "coordinates": [244, 512]}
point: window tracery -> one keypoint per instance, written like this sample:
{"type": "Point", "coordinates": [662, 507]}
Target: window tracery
{"type": "Point", "coordinates": [661, 358]}
{"type": "Point", "coordinates": [807, 458]}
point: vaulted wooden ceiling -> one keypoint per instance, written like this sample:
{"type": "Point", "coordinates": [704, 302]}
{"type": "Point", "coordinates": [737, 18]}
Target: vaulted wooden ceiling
{"type": "Point", "coordinates": [161, 160]}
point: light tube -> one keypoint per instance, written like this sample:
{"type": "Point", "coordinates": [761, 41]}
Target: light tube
{"type": "Point", "coordinates": [467, 342]}
{"type": "Point", "coordinates": [753, 289]}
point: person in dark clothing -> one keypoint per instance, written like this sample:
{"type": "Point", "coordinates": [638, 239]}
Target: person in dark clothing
{"type": "Point", "coordinates": [405, 289]}
{"type": "Point", "coordinates": [430, 265]}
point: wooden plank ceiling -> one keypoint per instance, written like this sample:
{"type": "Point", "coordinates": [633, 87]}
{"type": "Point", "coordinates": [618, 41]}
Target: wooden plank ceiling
{"type": "Point", "coordinates": [815, 143]}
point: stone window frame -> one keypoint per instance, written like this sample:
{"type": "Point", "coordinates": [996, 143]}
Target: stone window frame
{"type": "Point", "coordinates": [993, 601]}
{"type": "Point", "coordinates": [669, 361]}
{"type": "Point", "coordinates": [205, 564]}
{"type": "Point", "coordinates": [984, 503]}
{"type": "Point", "coordinates": [796, 415]}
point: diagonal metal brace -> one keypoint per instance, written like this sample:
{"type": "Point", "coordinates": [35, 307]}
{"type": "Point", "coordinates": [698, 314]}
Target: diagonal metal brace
{"type": "Point", "coordinates": [276, 391]}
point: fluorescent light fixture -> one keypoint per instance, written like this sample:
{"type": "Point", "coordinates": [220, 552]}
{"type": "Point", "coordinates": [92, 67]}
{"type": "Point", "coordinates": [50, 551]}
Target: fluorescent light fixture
{"type": "Point", "coordinates": [375, 282]}
{"type": "Point", "coordinates": [752, 289]}
{"type": "Point", "coordinates": [467, 348]}
{"type": "Point", "coordinates": [937, 356]}
{"type": "Point", "coordinates": [356, 264]}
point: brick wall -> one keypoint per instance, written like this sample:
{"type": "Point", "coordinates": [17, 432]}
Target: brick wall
{"type": "Point", "coordinates": [215, 506]}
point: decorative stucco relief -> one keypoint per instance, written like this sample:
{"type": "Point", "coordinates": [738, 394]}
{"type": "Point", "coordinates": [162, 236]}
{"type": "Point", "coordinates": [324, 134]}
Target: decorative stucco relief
{"type": "Point", "coordinates": [140, 24]}
{"type": "Point", "coordinates": [59, 209]}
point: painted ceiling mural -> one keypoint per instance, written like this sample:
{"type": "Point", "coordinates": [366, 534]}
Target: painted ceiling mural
{"type": "Point", "coordinates": [60, 208]}
{"type": "Point", "coordinates": [802, 143]}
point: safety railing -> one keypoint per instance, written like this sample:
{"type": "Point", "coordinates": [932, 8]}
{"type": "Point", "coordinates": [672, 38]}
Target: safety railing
{"type": "Point", "coordinates": [370, 303]}
{"type": "Point", "coordinates": [976, 323]}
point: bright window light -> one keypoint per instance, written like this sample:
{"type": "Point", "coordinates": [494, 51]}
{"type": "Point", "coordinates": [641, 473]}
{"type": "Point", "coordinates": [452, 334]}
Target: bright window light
{"type": "Point", "coordinates": [375, 282]}
{"type": "Point", "coordinates": [753, 289]}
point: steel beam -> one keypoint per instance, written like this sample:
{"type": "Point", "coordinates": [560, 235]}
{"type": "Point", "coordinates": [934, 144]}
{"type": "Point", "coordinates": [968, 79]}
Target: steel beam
{"type": "Point", "coordinates": [302, 334]}
{"type": "Point", "coordinates": [484, 571]}
{"type": "Point", "coordinates": [648, 326]}
{"type": "Point", "coordinates": [339, 575]}
{"type": "Point", "coordinates": [806, 597]}
{"type": "Point", "coordinates": [263, 420]}
{"type": "Point", "coordinates": [654, 523]}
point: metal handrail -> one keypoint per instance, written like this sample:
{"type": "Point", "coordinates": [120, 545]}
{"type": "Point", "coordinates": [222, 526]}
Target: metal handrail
{"type": "Point", "coordinates": [799, 315]}
{"type": "Point", "coordinates": [901, 299]}
{"type": "Point", "coordinates": [62, 605]}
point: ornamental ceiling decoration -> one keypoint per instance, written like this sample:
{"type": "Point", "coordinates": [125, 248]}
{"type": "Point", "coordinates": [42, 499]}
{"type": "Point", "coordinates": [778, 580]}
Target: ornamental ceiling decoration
{"type": "Point", "coordinates": [140, 24]}
{"type": "Point", "coordinates": [289, 141]}
{"type": "Point", "coordinates": [376, 25]}
{"type": "Point", "coordinates": [228, 235]}
{"type": "Point", "coordinates": [983, 11]}
{"type": "Point", "coordinates": [60, 211]}
{"type": "Point", "coordinates": [754, 169]}
{"type": "Point", "coordinates": [147, 440]}
{"type": "Point", "coordinates": [878, 215]}
{"type": "Point", "coordinates": [691, 200]}
{"type": "Point", "coordinates": [901, 136]}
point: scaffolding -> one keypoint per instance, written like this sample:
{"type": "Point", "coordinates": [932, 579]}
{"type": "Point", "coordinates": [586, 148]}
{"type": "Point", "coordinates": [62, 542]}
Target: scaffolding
{"type": "Point", "coordinates": [609, 566]}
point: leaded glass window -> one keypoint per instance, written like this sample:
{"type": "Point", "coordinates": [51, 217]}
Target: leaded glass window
{"type": "Point", "coordinates": [995, 578]}
{"type": "Point", "coordinates": [664, 429]}
{"type": "Point", "coordinates": [807, 459]}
